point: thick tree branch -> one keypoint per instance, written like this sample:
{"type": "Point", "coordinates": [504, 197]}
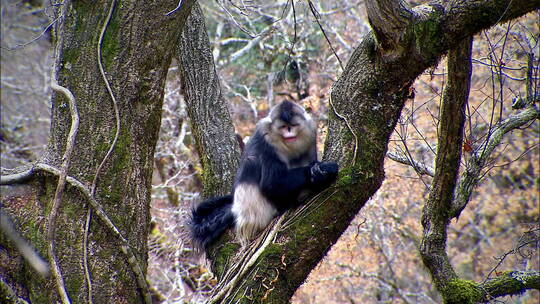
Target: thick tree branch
{"type": "Point", "coordinates": [136, 54]}
{"type": "Point", "coordinates": [429, 30]}
{"type": "Point", "coordinates": [435, 217]}
{"type": "Point", "coordinates": [211, 122]}
{"type": "Point", "coordinates": [389, 20]}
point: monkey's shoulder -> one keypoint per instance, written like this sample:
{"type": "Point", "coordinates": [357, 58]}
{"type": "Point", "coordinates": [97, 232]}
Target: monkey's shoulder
{"type": "Point", "coordinates": [259, 150]}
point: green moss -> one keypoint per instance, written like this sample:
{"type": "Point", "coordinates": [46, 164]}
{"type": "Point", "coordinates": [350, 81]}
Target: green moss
{"type": "Point", "coordinates": [345, 177]}
{"type": "Point", "coordinates": [426, 36]}
{"type": "Point", "coordinates": [75, 284]}
{"type": "Point", "coordinates": [110, 46]}
{"type": "Point", "coordinates": [222, 258]}
{"type": "Point", "coordinates": [348, 136]}
{"type": "Point", "coordinates": [460, 291]}
{"type": "Point", "coordinates": [272, 251]}
{"type": "Point", "coordinates": [354, 174]}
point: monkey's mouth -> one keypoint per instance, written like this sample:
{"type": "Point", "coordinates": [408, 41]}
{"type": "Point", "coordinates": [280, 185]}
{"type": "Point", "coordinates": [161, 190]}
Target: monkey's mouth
{"type": "Point", "coordinates": [289, 139]}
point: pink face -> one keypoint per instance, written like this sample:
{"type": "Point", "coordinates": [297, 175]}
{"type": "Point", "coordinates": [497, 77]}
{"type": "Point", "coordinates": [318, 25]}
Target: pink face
{"type": "Point", "coordinates": [289, 132]}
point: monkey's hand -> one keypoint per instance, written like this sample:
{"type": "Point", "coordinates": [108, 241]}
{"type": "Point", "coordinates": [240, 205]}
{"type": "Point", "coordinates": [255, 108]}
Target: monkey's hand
{"type": "Point", "coordinates": [323, 174]}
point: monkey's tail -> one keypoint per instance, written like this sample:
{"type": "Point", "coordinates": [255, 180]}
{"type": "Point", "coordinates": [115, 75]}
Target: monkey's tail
{"type": "Point", "coordinates": [210, 219]}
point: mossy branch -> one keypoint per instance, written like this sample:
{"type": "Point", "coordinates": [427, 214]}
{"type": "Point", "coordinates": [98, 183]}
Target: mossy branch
{"type": "Point", "coordinates": [509, 283]}
{"type": "Point", "coordinates": [435, 217]}
{"type": "Point", "coordinates": [371, 91]}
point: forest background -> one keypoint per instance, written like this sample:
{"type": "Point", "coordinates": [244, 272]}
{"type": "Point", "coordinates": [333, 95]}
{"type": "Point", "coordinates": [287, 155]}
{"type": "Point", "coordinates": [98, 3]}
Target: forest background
{"type": "Point", "coordinates": [265, 53]}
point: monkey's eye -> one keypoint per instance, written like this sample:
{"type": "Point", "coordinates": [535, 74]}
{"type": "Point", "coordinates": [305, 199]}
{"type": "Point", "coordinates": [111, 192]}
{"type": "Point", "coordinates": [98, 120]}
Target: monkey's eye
{"type": "Point", "coordinates": [282, 127]}
{"type": "Point", "coordinates": [295, 125]}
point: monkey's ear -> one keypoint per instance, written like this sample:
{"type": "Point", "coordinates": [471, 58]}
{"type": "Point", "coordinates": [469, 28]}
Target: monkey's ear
{"type": "Point", "coordinates": [264, 124]}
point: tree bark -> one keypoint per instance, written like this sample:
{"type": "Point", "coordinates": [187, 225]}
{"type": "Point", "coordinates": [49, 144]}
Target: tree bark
{"type": "Point", "coordinates": [365, 103]}
{"type": "Point", "coordinates": [133, 39]}
{"type": "Point", "coordinates": [211, 122]}
{"type": "Point", "coordinates": [436, 212]}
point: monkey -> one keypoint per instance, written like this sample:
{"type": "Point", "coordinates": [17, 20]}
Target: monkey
{"type": "Point", "coordinates": [277, 171]}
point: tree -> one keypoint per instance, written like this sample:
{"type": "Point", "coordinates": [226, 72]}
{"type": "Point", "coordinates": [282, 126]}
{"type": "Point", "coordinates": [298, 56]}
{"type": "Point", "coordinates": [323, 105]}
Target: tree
{"type": "Point", "coordinates": [85, 203]}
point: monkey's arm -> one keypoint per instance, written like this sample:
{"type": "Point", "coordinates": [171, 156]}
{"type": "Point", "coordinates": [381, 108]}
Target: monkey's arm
{"type": "Point", "coordinates": [283, 186]}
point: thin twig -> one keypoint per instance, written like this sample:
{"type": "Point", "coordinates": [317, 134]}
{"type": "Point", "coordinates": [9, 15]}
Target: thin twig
{"type": "Point", "coordinates": [316, 15]}
{"type": "Point", "coordinates": [294, 37]}
{"type": "Point", "coordinates": [420, 168]}
{"type": "Point", "coordinates": [18, 46]}
{"type": "Point", "coordinates": [520, 244]}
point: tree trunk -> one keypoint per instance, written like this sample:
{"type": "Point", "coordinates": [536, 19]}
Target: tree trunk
{"type": "Point", "coordinates": [133, 38]}
{"type": "Point", "coordinates": [211, 122]}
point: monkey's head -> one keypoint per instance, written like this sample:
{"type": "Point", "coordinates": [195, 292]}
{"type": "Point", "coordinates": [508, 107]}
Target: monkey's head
{"type": "Point", "coordinates": [290, 129]}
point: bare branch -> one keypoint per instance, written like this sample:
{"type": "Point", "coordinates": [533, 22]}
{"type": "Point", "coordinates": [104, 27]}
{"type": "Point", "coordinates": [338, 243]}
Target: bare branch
{"type": "Point", "coordinates": [530, 237]}
{"type": "Point", "coordinates": [18, 46]}
{"type": "Point", "coordinates": [316, 16]}
{"type": "Point", "coordinates": [477, 163]}
{"type": "Point", "coordinates": [421, 168]}
{"type": "Point", "coordinates": [265, 33]}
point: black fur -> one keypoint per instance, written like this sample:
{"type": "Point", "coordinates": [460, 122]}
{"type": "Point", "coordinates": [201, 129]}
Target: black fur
{"type": "Point", "coordinates": [210, 219]}
{"type": "Point", "coordinates": [286, 111]}
{"type": "Point", "coordinates": [260, 165]}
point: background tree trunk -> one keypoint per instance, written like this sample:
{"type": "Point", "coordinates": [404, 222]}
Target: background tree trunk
{"type": "Point", "coordinates": [136, 53]}
{"type": "Point", "coordinates": [211, 122]}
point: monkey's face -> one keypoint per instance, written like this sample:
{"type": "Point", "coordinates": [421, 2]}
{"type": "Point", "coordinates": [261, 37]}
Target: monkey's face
{"type": "Point", "coordinates": [289, 129]}
{"type": "Point", "coordinates": [288, 132]}
{"type": "Point", "coordinates": [294, 137]}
